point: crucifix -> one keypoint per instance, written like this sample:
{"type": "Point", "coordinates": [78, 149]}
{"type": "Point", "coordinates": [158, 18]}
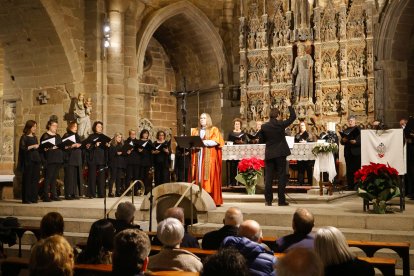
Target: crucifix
{"type": "Point", "coordinates": [183, 105]}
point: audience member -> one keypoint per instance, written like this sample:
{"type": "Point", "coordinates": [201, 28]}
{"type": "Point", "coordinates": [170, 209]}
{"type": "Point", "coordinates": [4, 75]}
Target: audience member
{"type": "Point", "coordinates": [171, 232]}
{"type": "Point", "coordinates": [52, 256]}
{"type": "Point", "coordinates": [338, 260]}
{"type": "Point", "coordinates": [302, 225]}
{"type": "Point", "coordinates": [51, 224]}
{"type": "Point", "coordinates": [232, 220]}
{"type": "Point", "coordinates": [124, 217]}
{"type": "Point", "coordinates": [259, 260]}
{"type": "Point", "coordinates": [100, 244]}
{"type": "Point", "coordinates": [226, 262]}
{"type": "Point", "coordinates": [188, 240]}
{"type": "Point", "coordinates": [299, 262]}
{"type": "Point", "coordinates": [131, 250]}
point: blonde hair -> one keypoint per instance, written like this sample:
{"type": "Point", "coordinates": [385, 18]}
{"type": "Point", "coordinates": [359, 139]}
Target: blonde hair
{"type": "Point", "coordinates": [114, 142]}
{"type": "Point", "coordinates": [209, 122]}
{"type": "Point", "coordinates": [52, 256]}
{"type": "Point", "coordinates": [331, 246]}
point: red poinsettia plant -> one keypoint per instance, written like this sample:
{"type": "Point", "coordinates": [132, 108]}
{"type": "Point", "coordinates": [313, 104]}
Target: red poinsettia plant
{"type": "Point", "coordinates": [249, 169]}
{"type": "Point", "coordinates": [377, 183]}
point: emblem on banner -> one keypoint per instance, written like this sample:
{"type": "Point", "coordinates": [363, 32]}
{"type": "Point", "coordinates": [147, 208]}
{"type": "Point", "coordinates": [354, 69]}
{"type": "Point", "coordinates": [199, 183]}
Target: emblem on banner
{"type": "Point", "coordinates": [381, 150]}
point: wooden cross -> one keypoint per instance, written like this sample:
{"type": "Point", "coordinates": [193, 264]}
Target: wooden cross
{"type": "Point", "coordinates": [43, 97]}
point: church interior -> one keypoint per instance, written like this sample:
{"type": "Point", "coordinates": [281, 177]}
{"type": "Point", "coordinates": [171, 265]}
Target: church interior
{"type": "Point", "coordinates": [132, 59]}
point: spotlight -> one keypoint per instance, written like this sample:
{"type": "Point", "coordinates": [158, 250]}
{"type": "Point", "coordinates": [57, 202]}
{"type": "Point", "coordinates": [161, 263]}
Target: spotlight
{"type": "Point", "coordinates": [107, 44]}
{"type": "Point", "coordinates": [106, 28]}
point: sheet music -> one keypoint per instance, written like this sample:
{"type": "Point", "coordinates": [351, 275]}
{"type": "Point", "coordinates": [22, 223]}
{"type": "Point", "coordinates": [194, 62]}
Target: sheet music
{"type": "Point", "coordinates": [70, 138]}
{"type": "Point", "coordinates": [51, 140]}
{"type": "Point", "coordinates": [290, 141]}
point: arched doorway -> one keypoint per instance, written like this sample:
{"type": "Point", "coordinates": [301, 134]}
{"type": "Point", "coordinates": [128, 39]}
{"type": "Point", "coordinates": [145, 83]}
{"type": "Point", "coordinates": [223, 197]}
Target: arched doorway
{"type": "Point", "coordinates": [394, 52]}
{"type": "Point", "coordinates": [195, 51]}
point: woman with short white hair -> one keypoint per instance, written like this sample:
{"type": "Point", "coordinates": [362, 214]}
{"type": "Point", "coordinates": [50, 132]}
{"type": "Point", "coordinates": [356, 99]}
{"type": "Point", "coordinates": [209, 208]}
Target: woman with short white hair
{"type": "Point", "coordinates": [170, 232]}
{"type": "Point", "coordinates": [332, 248]}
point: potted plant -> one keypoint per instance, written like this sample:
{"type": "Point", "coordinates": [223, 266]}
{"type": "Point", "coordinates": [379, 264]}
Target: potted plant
{"type": "Point", "coordinates": [377, 183]}
{"type": "Point", "coordinates": [249, 170]}
{"type": "Point", "coordinates": [324, 148]}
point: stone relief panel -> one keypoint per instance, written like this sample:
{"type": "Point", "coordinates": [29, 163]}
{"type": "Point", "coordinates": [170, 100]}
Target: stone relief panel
{"type": "Point", "coordinates": [8, 130]}
{"type": "Point", "coordinates": [335, 47]}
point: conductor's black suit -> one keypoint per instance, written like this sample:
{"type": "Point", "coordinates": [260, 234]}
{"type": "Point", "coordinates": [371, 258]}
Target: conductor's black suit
{"type": "Point", "coordinates": [273, 133]}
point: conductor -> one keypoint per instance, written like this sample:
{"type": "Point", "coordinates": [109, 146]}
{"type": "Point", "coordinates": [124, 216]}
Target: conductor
{"type": "Point", "coordinates": [276, 151]}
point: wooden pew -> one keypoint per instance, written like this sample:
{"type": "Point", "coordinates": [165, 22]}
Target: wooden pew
{"type": "Point", "coordinates": [401, 248]}
{"type": "Point", "coordinates": [370, 247]}
{"type": "Point", "coordinates": [23, 229]}
{"type": "Point", "coordinates": [13, 265]}
{"type": "Point", "coordinates": [385, 265]}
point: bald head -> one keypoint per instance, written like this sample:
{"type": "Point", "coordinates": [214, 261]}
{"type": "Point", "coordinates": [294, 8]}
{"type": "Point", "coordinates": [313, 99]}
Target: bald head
{"type": "Point", "coordinates": [233, 217]}
{"type": "Point", "coordinates": [175, 212]}
{"type": "Point", "coordinates": [250, 229]}
{"type": "Point", "coordinates": [303, 221]}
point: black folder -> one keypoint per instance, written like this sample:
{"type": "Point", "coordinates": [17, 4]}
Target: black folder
{"type": "Point", "coordinates": [254, 136]}
{"type": "Point", "coordinates": [145, 145]}
{"type": "Point", "coordinates": [128, 146]}
{"type": "Point", "coordinates": [66, 142]}
{"type": "Point", "coordinates": [351, 133]}
{"type": "Point", "coordinates": [189, 141]}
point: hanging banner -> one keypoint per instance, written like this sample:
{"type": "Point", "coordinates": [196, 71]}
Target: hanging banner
{"type": "Point", "coordinates": [384, 146]}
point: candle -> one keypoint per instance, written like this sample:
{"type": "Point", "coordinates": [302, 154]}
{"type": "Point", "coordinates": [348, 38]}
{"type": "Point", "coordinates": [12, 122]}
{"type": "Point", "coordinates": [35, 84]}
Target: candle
{"type": "Point", "coordinates": [264, 6]}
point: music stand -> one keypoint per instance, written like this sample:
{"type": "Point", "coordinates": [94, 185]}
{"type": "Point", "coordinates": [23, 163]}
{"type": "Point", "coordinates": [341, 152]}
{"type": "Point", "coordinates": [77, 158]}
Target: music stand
{"type": "Point", "coordinates": [190, 143]}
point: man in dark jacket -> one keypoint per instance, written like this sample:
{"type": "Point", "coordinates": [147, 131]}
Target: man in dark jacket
{"type": "Point", "coordinates": [273, 134]}
{"type": "Point", "coordinates": [302, 225]}
{"type": "Point", "coordinates": [260, 260]}
{"type": "Point", "coordinates": [232, 219]}
{"type": "Point", "coordinates": [351, 139]}
{"type": "Point", "coordinates": [125, 214]}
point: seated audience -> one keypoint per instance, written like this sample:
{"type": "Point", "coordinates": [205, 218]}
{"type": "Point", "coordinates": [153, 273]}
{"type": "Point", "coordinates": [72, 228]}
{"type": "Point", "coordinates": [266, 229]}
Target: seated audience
{"type": "Point", "coordinates": [131, 250]}
{"type": "Point", "coordinates": [51, 224]}
{"type": "Point", "coordinates": [226, 262]}
{"type": "Point", "coordinates": [302, 225]}
{"type": "Point", "coordinates": [171, 232]}
{"type": "Point", "coordinates": [100, 243]}
{"type": "Point", "coordinates": [124, 217]}
{"type": "Point", "coordinates": [338, 260]}
{"type": "Point", "coordinates": [232, 219]}
{"type": "Point", "coordinates": [299, 262]}
{"type": "Point", "coordinates": [259, 260]}
{"type": "Point", "coordinates": [51, 256]}
{"type": "Point", "coordinates": [188, 240]}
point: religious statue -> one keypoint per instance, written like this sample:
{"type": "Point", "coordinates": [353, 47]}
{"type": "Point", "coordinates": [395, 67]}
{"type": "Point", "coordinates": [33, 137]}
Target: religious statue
{"type": "Point", "coordinates": [82, 112]}
{"type": "Point", "coordinates": [302, 69]}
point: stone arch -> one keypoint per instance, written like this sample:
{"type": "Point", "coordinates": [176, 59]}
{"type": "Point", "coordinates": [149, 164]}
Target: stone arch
{"type": "Point", "coordinates": [202, 203]}
{"type": "Point", "coordinates": [394, 96]}
{"type": "Point", "coordinates": [197, 17]}
{"type": "Point", "coordinates": [56, 16]}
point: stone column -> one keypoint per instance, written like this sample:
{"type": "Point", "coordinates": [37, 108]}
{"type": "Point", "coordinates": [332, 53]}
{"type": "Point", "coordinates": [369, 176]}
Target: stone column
{"type": "Point", "coordinates": [115, 100]}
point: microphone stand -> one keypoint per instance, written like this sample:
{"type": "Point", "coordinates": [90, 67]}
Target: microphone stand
{"type": "Point", "coordinates": [151, 199]}
{"type": "Point", "coordinates": [104, 190]}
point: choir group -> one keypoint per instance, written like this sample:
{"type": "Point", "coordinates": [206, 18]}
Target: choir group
{"type": "Point", "coordinates": [93, 158]}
